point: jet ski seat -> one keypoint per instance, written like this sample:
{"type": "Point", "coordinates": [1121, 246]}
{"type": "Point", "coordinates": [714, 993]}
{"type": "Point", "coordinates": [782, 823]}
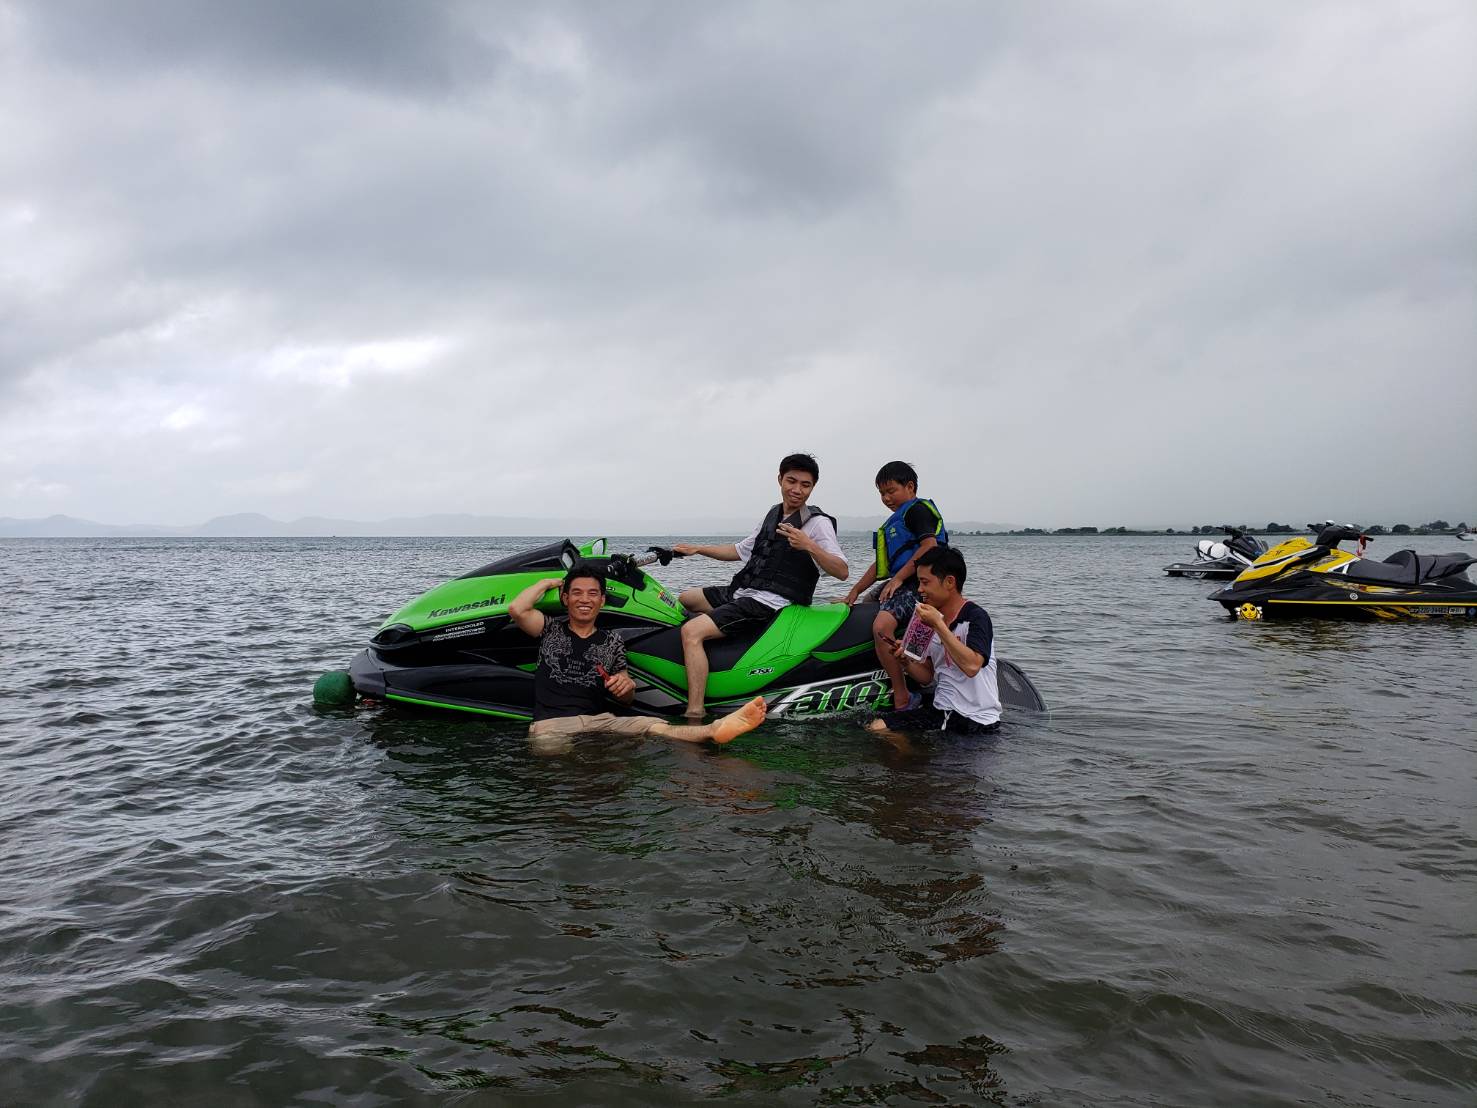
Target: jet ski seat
{"type": "Point", "coordinates": [1406, 567]}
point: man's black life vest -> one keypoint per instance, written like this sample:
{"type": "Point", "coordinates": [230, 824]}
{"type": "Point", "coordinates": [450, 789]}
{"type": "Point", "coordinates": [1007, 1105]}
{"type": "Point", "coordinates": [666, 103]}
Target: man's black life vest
{"type": "Point", "coordinates": [776, 566]}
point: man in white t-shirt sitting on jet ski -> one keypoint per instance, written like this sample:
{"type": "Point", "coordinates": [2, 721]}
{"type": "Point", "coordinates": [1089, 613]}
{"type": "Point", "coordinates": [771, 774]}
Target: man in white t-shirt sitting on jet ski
{"type": "Point", "coordinates": [960, 658]}
{"type": "Point", "coordinates": [783, 559]}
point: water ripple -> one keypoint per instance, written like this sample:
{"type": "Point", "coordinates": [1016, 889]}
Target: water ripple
{"type": "Point", "coordinates": [1233, 866]}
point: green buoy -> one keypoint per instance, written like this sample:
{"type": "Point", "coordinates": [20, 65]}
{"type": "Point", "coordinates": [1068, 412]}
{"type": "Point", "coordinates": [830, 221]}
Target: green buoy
{"type": "Point", "coordinates": [334, 690]}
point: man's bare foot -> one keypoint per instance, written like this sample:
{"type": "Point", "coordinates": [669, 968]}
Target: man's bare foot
{"type": "Point", "coordinates": [731, 726]}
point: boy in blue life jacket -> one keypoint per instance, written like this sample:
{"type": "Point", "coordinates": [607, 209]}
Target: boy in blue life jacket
{"type": "Point", "coordinates": [914, 526]}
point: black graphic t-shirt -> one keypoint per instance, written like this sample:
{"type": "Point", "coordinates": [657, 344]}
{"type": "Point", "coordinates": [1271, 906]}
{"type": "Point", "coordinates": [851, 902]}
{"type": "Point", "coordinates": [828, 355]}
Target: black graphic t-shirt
{"type": "Point", "coordinates": [567, 682]}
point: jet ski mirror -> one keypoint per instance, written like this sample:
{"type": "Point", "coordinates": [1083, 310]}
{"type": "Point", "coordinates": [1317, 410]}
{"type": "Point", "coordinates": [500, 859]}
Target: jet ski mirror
{"type": "Point", "coordinates": [569, 556]}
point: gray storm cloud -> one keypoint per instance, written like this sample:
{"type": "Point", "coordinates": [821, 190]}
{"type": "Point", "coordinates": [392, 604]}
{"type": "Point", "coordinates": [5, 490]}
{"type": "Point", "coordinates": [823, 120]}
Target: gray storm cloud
{"type": "Point", "coordinates": [1156, 264]}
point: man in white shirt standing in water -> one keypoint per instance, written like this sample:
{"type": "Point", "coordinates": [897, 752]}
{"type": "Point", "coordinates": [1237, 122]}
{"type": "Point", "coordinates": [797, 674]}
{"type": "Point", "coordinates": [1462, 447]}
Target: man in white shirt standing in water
{"type": "Point", "coordinates": [961, 657]}
{"type": "Point", "coordinates": [783, 559]}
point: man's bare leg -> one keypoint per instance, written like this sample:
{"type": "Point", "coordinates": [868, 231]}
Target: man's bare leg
{"type": "Point", "coordinates": [694, 601]}
{"type": "Point", "coordinates": [730, 727]}
{"type": "Point", "coordinates": [885, 626]}
{"type": "Point", "coordinates": [695, 632]}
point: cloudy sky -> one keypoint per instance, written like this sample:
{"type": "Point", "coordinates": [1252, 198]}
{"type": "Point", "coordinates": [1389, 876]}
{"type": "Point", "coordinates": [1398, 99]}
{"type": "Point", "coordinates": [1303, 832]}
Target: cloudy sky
{"type": "Point", "coordinates": [1109, 263]}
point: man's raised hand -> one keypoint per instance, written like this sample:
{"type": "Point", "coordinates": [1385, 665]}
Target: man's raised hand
{"type": "Point", "coordinates": [796, 537]}
{"type": "Point", "coordinates": [931, 616]}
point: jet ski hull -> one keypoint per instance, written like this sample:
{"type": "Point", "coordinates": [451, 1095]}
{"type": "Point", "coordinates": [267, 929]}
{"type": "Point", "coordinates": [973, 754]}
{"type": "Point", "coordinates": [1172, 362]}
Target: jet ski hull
{"type": "Point", "coordinates": [1223, 560]}
{"type": "Point", "coordinates": [1303, 581]}
{"type": "Point", "coordinates": [455, 647]}
{"type": "Point", "coordinates": [1210, 571]}
{"type": "Point", "coordinates": [505, 691]}
{"type": "Point", "coordinates": [1319, 602]}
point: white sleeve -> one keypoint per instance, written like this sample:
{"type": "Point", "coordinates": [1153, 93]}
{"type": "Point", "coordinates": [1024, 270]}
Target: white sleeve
{"type": "Point", "coordinates": [820, 529]}
{"type": "Point", "coordinates": [936, 653]}
{"type": "Point", "coordinates": [746, 548]}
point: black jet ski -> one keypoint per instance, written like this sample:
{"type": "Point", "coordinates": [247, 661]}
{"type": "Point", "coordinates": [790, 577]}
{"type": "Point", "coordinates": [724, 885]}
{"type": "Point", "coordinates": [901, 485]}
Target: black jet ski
{"type": "Point", "coordinates": [455, 647]}
{"type": "Point", "coordinates": [1302, 578]}
{"type": "Point", "coordinates": [1221, 559]}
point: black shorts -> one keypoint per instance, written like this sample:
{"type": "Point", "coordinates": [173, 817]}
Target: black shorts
{"type": "Point", "coordinates": [929, 718]}
{"type": "Point", "coordinates": [901, 604]}
{"type": "Point", "coordinates": [735, 617]}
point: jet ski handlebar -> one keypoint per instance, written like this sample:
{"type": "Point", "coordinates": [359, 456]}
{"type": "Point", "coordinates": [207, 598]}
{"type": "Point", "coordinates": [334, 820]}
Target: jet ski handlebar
{"type": "Point", "coordinates": [626, 567]}
{"type": "Point", "coordinates": [658, 554]}
{"type": "Point", "coordinates": [1331, 534]}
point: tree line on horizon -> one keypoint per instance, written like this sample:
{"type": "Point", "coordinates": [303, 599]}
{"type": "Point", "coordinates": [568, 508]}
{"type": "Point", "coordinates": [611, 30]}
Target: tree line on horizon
{"type": "Point", "coordinates": [1435, 527]}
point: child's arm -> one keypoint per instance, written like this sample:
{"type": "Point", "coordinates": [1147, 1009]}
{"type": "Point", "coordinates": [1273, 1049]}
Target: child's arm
{"type": "Point", "coordinates": [905, 574]}
{"type": "Point", "coordinates": [869, 578]}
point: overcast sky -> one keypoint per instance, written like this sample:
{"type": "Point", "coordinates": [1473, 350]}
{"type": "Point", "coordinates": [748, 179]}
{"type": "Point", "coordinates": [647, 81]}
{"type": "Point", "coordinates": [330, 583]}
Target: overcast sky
{"type": "Point", "coordinates": [1109, 263]}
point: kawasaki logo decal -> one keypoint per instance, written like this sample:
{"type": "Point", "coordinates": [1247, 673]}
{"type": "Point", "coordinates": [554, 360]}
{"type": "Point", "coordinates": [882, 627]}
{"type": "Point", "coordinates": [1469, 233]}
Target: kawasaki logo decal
{"type": "Point", "coordinates": [436, 613]}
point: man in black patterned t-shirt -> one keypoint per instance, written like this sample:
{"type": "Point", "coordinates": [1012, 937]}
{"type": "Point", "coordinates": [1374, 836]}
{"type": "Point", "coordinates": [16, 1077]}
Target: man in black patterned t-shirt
{"type": "Point", "coordinates": [582, 671]}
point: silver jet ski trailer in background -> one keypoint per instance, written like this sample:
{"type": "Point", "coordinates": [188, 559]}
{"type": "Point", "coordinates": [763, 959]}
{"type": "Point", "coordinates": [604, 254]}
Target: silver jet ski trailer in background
{"type": "Point", "coordinates": [1221, 559]}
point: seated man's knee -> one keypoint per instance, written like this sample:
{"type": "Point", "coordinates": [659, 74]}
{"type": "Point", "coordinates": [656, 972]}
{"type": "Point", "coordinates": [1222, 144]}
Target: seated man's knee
{"type": "Point", "coordinates": [549, 742]}
{"type": "Point", "coordinates": [693, 630]}
{"type": "Point", "coordinates": [884, 624]}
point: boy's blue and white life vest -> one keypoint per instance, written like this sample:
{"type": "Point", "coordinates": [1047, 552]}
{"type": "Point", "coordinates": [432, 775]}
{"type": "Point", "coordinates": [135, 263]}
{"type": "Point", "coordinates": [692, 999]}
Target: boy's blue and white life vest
{"type": "Point", "coordinates": [896, 544]}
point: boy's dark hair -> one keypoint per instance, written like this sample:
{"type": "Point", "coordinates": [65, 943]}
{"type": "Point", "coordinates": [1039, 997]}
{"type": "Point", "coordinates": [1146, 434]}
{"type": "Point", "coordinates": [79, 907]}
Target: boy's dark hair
{"type": "Point", "coordinates": [584, 569]}
{"type": "Point", "coordinates": [803, 462]}
{"type": "Point", "coordinates": [901, 472]}
{"type": "Point", "coordinates": [945, 561]}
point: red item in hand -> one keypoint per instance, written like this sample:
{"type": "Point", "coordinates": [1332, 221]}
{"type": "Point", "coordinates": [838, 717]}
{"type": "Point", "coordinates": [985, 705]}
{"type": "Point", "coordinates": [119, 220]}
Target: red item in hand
{"type": "Point", "coordinates": [601, 671]}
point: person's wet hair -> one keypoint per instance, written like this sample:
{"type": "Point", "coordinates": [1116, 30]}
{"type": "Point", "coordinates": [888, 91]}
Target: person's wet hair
{"type": "Point", "coordinates": [804, 463]}
{"type": "Point", "coordinates": [944, 561]}
{"type": "Point", "coordinates": [901, 472]}
{"type": "Point", "coordinates": [585, 569]}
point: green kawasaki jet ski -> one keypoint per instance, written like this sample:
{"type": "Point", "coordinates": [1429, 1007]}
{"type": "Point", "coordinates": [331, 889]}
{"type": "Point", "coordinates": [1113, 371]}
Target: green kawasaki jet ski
{"type": "Point", "coordinates": [455, 647]}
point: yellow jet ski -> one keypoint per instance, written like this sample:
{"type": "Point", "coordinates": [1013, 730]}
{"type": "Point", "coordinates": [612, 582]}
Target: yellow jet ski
{"type": "Point", "coordinates": [1299, 578]}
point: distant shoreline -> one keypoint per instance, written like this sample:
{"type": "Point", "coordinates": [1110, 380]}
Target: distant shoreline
{"type": "Point", "coordinates": [255, 525]}
{"type": "Point", "coordinates": [577, 534]}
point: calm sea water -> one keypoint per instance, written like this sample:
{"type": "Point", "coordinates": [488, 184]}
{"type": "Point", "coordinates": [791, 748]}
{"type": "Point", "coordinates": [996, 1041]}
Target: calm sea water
{"type": "Point", "coordinates": [1234, 865]}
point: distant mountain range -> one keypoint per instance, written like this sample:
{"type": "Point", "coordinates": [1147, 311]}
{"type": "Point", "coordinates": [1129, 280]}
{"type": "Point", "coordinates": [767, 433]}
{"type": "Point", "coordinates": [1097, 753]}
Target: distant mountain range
{"type": "Point", "coordinates": [255, 525]}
